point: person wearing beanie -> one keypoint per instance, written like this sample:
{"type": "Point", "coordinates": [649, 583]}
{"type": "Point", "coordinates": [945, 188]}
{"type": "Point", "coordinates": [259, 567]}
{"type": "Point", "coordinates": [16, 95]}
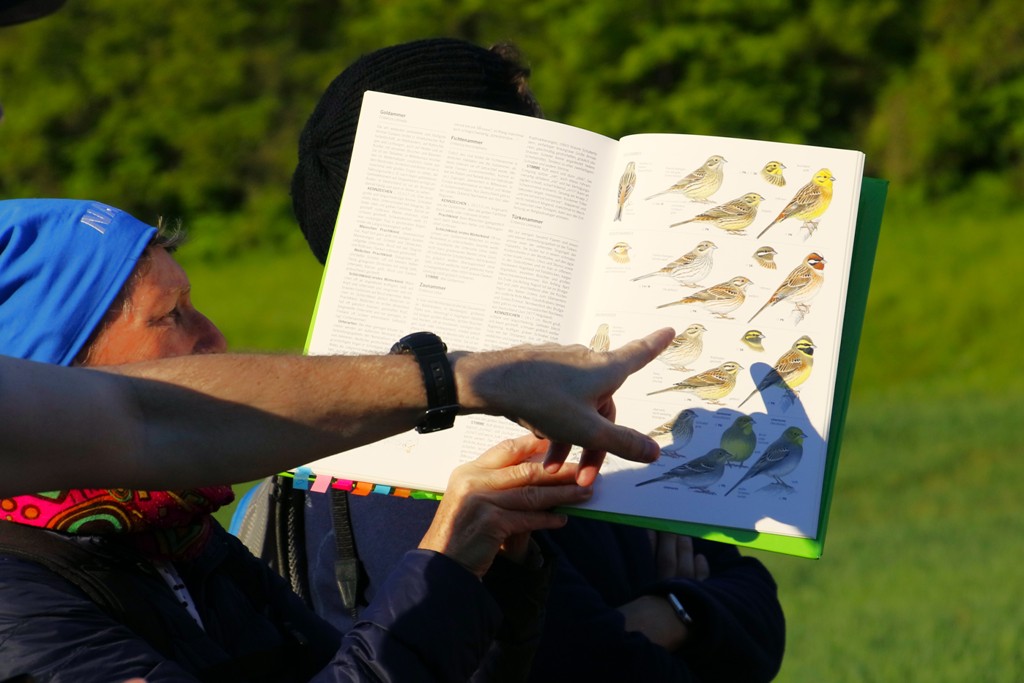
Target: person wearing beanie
{"type": "Point", "coordinates": [107, 584]}
{"type": "Point", "coordinates": [441, 69]}
{"type": "Point", "coordinates": [642, 605]}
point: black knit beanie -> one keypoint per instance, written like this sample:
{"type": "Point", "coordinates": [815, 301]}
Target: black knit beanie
{"type": "Point", "coordinates": [441, 69]}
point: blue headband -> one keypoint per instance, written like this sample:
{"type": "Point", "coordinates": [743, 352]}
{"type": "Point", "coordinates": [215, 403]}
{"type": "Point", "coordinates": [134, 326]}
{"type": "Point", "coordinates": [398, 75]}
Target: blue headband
{"type": "Point", "coordinates": [62, 264]}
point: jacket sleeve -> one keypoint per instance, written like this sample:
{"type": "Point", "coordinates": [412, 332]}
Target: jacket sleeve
{"type": "Point", "coordinates": [45, 611]}
{"type": "Point", "coordinates": [739, 627]}
{"type": "Point", "coordinates": [432, 621]}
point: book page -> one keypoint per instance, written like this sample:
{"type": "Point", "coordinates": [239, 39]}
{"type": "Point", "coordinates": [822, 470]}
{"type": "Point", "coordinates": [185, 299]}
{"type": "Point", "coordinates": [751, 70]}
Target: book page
{"type": "Point", "coordinates": [473, 224]}
{"type": "Point", "coordinates": [747, 245]}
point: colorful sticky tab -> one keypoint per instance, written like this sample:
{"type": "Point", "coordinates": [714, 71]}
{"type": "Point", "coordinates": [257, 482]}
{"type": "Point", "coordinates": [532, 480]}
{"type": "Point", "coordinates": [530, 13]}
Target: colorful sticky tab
{"type": "Point", "coordinates": [344, 484]}
{"type": "Point", "coordinates": [380, 488]}
{"type": "Point", "coordinates": [362, 488]}
{"type": "Point", "coordinates": [401, 493]}
{"type": "Point", "coordinates": [322, 483]}
{"type": "Point", "coordinates": [426, 495]}
{"type": "Point", "coordinates": [302, 476]}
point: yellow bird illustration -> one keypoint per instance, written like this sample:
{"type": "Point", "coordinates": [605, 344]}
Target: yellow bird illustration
{"type": "Point", "coordinates": [753, 339]}
{"type": "Point", "coordinates": [701, 183]}
{"type": "Point", "coordinates": [711, 385]}
{"type": "Point", "coordinates": [809, 203]}
{"type": "Point", "coordinates": [791, 369]}
{"type": "Point", "coordinates": [733, 216]}
{"type": "Point", "coordinates": [800, 286]}
{"type": "Point", "coordinates": [626, 184]}
{"type": "Point", "coordinates": [772, 172]}
{"type": "Point", "coordinates": [721, 299]}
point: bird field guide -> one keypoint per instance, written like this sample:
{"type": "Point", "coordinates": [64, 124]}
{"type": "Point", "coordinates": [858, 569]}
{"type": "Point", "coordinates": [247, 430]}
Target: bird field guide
{"type": "Point", "coordinates": [494, 229]}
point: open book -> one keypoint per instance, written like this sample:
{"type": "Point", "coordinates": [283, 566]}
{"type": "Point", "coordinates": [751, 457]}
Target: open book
{"type": "Point", "coordinates": [494, 229]}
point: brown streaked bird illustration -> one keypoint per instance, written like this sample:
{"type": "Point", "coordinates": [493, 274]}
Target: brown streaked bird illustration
{"type": "Point", "coordinates": [626, 184]}
{"type": "Point", "coordinates": [800, 286]}
{"type": "Point", "coordinates": [690, 268]}
{"type": "Point", "coordinates": [733, 216]}
{"type": "Point", "coordinates": [685, 348]}
{"type": "Point", "coordinates": [809, 202]}
{"type": "Point", "coordinates": [791, 369]}
{"type": "Point", "coordinates": [601, 342]}
{"type": "Point", "coordinates": [699, 473]}
{"type": "Point", "coordinates": [620, 252]}
{"type": "Point", "coordinates": [711, 385]}
{"type": "Point", "coordinates": [701, 183]}
{"type": "Point", "coordinates": [720, 300]}
{"type": "Point", "coordinates": [674, 434]}
{"type": "Point", "coordinates": [772, 173]}
{"type": "Point", "coordinates": [754, 339]}
{"type": "Point", "coordinates": [765, 257]}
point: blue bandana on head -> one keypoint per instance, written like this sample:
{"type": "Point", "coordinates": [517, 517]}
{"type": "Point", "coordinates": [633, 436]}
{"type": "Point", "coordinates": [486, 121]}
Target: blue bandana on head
{"type": "Point", "coordinates": [62, 264]}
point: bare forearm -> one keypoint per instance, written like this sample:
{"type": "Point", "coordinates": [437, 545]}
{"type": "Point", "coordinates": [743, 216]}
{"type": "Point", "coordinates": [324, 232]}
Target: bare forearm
{"type": "Point", "coordinates": [219, 418]}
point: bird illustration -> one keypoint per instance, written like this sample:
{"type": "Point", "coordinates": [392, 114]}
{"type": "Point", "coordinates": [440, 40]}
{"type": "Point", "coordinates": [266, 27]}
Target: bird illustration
{"type": "Point", "coordinates": [772, 172]}
{"type": "Point", "coordinates": [685, 348]}
{"type": "Point", "coordinates": [809, 202]}
{"type": "Point", "coordinates": [780, 458]}
{"type": "Point", "coordinates": [626, 184]}
{"type": "Point", "coordinates": [711, 385]}
{"type": "Point", "coordinates": [699, 473]}
{"type": "Point", "coordinates": [765, 257]}
{"type": "Point", "coordinates": [720, 299]}
{"type": "Point", "coordinates": [739, 440]}
{"type": "Point", "coordinates": [733, 216]}
{"type": "Point", "coordinates": [600, 342]}
{"type": "Point", "coordinates": [799, 287]}
{"type": "Point", "coordinates": [674, 434]}
{"type": "Point", "coordinates": [689, 268]}
{"type": "Point", "coordinates": [701, 183]}
{"type": "Point", "coordinates": [620, 252]}
{"type": "Point", "coordinates": [791, 369]}
{"type": "Point", "coordinates": [753, 339]}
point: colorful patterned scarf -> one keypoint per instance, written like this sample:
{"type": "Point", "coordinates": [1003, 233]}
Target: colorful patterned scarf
{"type": "Point", "coordinates": [167, 525]}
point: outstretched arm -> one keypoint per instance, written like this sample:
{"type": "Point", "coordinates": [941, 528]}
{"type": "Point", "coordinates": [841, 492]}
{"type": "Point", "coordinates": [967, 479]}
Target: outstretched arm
{"type": "Point", "coordinates": [257, 414]}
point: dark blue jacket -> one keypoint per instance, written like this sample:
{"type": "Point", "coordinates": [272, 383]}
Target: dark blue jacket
{"type": "Point", "coordinates": [435, 621]}
{"type": "Point", "coordinates": [739, 625]}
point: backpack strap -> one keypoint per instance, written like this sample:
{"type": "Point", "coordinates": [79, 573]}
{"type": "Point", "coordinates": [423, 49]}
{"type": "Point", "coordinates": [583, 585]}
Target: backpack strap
{"type": "Point", "coordinates": [348, 568]}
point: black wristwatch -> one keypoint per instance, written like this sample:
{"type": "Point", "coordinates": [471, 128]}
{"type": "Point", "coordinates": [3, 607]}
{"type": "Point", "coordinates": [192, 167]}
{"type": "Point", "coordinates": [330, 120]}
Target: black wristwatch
{"type": "Point", "coordinates": [438, 377]}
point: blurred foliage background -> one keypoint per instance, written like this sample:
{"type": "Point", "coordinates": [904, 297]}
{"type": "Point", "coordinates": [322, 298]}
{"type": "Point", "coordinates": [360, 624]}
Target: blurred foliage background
{"type": "Point", "coordinates": [192, 109]}
{"type": "Point", "coordinates": [187, 108]}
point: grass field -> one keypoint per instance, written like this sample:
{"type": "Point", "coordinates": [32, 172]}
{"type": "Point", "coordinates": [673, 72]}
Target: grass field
{"type": "Point", "coordinates": [921, 577]}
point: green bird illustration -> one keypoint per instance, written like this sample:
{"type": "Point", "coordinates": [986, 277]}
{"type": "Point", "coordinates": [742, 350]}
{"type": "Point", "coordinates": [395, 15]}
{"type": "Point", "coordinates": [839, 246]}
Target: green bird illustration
{"type": "Point", "coordinates": [739, 439]}
{"type": "Point", "coordinates": [780, 458]}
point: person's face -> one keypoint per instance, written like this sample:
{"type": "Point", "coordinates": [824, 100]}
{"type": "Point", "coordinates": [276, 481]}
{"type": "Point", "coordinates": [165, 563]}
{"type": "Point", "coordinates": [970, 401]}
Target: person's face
{"type": "Point", "coordinates": [159, 320]}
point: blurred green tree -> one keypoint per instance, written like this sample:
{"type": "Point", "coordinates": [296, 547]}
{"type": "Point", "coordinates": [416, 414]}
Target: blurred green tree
{"type": "Point", "coordinates": [193, 109]}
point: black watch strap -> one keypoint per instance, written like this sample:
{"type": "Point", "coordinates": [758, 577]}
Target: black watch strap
{"type": "Point", "coordinates": [438, 377]}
